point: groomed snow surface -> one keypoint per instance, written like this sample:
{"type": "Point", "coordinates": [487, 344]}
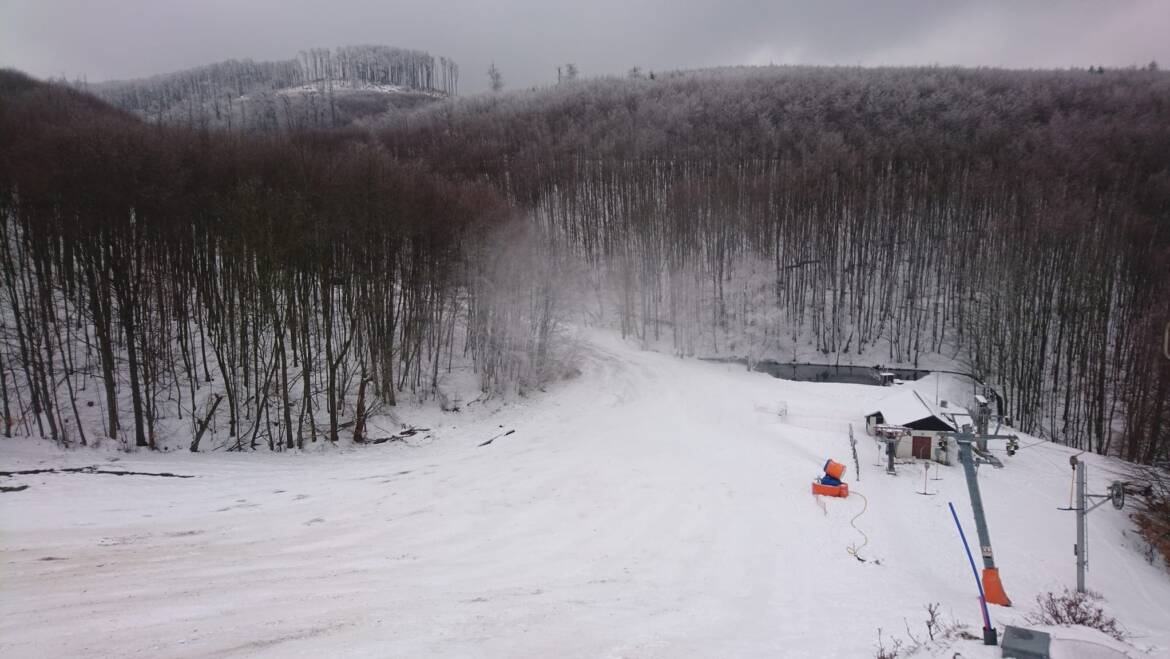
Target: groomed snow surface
{"type": "Point", "coordinates": [652, 507]}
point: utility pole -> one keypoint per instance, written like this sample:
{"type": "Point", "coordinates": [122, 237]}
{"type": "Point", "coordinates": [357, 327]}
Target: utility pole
{"type": "Point", "coordinates": [966, 439]}
{"type": "Point", "coordinates": [1117, 492]}
{"type": "Point", "coordinates": [1082, 546]}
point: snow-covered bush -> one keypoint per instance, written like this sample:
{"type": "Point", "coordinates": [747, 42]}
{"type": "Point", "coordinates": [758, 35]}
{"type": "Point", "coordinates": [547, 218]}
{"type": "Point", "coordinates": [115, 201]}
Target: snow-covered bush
{"type": "Point", "coordinates": [1073, 608]}
{"type": "Point", "coordinates": [941, 632]}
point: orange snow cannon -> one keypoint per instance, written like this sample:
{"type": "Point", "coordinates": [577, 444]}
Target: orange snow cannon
{"type": "Point", "coordinates": [993, 592]}
{"type": "Point", "coordinates": [830, 484]}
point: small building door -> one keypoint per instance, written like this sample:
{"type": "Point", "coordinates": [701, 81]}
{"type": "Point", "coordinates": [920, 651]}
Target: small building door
{"type": "Point", "coordinates": [921, 447]}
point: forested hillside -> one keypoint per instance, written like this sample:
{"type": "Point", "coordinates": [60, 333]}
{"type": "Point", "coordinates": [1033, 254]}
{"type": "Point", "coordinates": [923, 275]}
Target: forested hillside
{"type": "Point", "coordinates": [320, 88]}
{"type": "Point", "coordinates": [285, 285]}
{"type": "Point", "coordinates": [279, 288]}
{"type": "Point", "coordinates": [1019, 219]}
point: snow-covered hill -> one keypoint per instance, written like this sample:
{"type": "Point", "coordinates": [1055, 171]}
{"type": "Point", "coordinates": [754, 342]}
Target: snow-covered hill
{"type": "Point", "coordinates": [320, 88]}
{"type": "Point", "coordinates": [653, 507]}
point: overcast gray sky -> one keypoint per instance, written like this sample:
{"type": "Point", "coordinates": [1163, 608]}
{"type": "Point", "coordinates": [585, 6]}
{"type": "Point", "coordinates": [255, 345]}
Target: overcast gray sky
{"type": "Point", "coordinates": [109, 39]}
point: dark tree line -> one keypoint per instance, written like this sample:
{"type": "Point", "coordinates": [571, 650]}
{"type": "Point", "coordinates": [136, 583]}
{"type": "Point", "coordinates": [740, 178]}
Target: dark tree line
{"type": "Point", "coordinates": [1020, 220]}
{"type": "Point", "coordinates": [274, 291]}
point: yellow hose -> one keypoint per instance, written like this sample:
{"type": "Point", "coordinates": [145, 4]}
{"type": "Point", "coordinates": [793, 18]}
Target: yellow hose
{"type": "Point", "coordinates": [853, 549]}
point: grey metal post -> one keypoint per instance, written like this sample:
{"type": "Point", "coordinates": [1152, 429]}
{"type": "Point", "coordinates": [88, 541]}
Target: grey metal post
{"type": "Point", "coordinates": [965, 438]}
{"type": "Point", "coordinates": [993, 589]}
{"type": "Point", "coordinates": [982, 421]}
{"type": "Point", "coordinates": [1082, 546]}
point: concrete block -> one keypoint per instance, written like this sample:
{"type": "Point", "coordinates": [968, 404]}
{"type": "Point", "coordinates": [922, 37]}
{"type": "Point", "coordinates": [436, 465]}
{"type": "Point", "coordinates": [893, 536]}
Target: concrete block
{"type": "Point", "coordinates": [1021, 643]}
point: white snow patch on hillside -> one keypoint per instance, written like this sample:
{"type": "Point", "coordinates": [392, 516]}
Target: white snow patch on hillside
{"type": "Point", "coordinates": [645, 509]}
{"type": "Point", "coordinates": [340, 86]}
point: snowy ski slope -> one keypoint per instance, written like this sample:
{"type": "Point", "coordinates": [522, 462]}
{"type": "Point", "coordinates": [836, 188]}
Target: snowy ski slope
{"type": "Point", "coordinates": [653, 507]}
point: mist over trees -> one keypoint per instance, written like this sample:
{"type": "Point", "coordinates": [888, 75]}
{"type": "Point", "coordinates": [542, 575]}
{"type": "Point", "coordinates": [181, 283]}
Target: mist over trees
{"type": "Point", "coordinates": [283, 286]}
{"type": "Point", "coordinates": [320, 88]}
{"type": "Point", "coordinates": [1019, 220]}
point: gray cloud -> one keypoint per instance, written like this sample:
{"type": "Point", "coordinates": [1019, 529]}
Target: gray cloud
{"type": "Point", "coordinates": [528, 38]}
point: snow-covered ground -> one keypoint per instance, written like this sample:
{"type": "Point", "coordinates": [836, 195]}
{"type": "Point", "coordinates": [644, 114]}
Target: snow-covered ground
{"type": "Point", "coordinates": [652, 507]}
{"type": "Point", "coordinates": [343, 86]}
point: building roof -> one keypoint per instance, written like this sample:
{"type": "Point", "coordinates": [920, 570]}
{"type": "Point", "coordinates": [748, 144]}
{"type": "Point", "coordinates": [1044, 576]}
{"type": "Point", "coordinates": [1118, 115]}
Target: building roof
{"type": "Point", "coordinates": [909, 409]}
{"type": "Point", "coordinates": [960, 417]}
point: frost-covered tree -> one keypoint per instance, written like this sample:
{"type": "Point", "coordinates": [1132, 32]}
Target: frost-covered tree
{"type": "Point", "coordinates": [495, 78]}
{"type": "Point", "coordinates": [903, 212]}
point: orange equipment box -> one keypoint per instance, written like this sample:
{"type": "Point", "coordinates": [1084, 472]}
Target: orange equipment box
{"type": "Point", "coordinates": [841, 490]}
{"type": "Point", "coordinates": [835, 469]}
